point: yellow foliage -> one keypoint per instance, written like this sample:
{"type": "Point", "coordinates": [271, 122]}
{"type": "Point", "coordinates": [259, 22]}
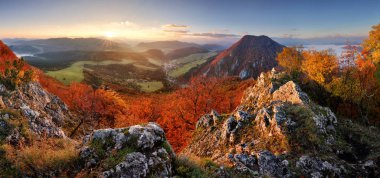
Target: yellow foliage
{"type": "Point", "coordinates": [371, 46]}
{"type": "Point", "coordinates": [320, 66]}
{"type": "Point", "coordinates": [290, 59]}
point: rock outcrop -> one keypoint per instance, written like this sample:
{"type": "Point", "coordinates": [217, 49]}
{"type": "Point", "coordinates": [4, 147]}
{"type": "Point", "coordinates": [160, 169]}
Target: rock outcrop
{"type": "Point", "coordinates": [45, 113]}
{"type": "Point", "coordinates": [276, 131]}
{"type": "Point", "coordinates": [136, 151]}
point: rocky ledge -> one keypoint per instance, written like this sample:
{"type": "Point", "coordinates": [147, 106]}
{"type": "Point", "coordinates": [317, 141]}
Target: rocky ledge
{"type": "Point", "coordinates": [278, 131]}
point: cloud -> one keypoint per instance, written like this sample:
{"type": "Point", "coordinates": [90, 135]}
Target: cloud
{"type": "Point", "coordinates": [215, 35]}
{"type": "Point", "coordinates": [289, 35]}
{"type": "Point", "coordinates": [168, 26]}
{"type": "Point", "coordinates": [124, 24]}
{"type": "Point", "coordinates": [176, 31]}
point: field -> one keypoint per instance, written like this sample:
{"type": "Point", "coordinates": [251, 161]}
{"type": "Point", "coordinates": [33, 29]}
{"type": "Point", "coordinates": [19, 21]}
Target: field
{"type": "Point", "coordinates": [150, 86]}
{"type": "Point", "coordinates": [74, 73]}
{"type": "Point", "coordinates": [186, 63]}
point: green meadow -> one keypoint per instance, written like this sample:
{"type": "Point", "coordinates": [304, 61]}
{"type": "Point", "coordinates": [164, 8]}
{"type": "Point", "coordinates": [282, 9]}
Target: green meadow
{"type": "Point", "coordinates": [150, 86]}
{"type": "Point", "coordinates": [74, 73]}
{"type": "Point", "coordinates": [187, 63]}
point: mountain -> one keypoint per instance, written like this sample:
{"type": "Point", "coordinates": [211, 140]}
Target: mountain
{"type": "Point", "coordinates": [165, 45]}
{"type": "Point", "coordinates": [183, 52]}
{"type": "Point", "coordinates": [248, 57]}
{"type": "Point", "coordinates": [278, 131]}
{"type": "Point", "coordinates": [65, 44]}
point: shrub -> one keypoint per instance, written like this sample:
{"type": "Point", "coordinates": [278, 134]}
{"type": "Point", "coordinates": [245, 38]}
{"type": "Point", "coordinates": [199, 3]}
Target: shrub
{"type": "Point", "coordinates": [15, 74]}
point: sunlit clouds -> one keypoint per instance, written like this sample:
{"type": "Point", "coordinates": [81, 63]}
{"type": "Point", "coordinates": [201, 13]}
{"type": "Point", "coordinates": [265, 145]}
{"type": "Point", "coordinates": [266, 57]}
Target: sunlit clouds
{"type": "Point", "coordinates": [123, 30]}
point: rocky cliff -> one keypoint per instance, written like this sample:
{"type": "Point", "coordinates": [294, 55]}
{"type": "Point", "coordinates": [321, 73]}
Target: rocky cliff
{"type": "Point", "coordinates": [279, 132]}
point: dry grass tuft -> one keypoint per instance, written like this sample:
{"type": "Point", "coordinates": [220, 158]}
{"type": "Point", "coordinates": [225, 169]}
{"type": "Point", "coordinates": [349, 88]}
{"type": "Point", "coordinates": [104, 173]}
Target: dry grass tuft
{"type": "Point", "coordinates": [42, 156]}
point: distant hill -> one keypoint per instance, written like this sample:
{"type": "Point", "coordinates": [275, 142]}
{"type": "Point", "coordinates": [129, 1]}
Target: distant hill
{"type": "Point", "coordinates": [165, 45]}
{"type": "Point", "coordinates": [248, 57]}
{"type": "Point", "coordinates": [66, 44]}
{"type": "Point", "coordinates": [182, 52]}
{"type": "Point", "coordinates": [155, 54]}
{"type": "Point", "coordinates": [213, 47]}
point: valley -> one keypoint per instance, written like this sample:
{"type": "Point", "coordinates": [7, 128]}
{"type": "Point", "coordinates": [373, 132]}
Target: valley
{"type": "Point", "coordinates": [124, 70]}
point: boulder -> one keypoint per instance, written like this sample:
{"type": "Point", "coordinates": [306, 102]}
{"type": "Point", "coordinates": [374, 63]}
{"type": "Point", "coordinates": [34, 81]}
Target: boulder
{"type": "Point", "coordinates": [272, 166]}
{"type": "Point", "coordinates": [45, 112]}
{"type": "Point", "coordinates": [316, 168]}
{"type": "Point", "coordinates": [136, 151]}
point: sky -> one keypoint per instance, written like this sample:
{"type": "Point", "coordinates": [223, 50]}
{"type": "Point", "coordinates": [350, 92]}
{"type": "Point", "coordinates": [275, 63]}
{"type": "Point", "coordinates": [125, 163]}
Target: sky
{"type": "Point", "coordinates": [187, 20]}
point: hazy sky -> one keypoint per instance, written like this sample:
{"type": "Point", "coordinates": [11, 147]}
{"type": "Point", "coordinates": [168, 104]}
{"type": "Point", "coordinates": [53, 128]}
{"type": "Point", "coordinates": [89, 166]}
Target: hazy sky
{"type": "Point", "coordinates": [186, 19]}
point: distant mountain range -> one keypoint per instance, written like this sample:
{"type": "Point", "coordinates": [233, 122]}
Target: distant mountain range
{"type": "Point", "coordinates": [64, 44]}
{"type": "Point", "coordinates": [167, 45]}
{"type": "Point", "coordinates": [183, 52]}
{"type": "Point", "coordinates": [248, 57]}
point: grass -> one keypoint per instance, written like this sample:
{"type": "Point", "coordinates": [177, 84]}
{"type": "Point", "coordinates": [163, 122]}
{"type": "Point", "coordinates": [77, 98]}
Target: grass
{"type": "Point", "coordinates": [305, 136]}
{"type": "Point", "coordinates": [42, 156]}
{"type": "Point", "coordinates": [167, 146]}
{"type": "Point", "coordinates": [15, 121]}
{"type": "Point", "coordinates": [150, 86]}
{"type": "Point", "coordinates": [101, 146]}
{"type": "Point", "coordinates": [194, 57]}
{"type": "Point", "coordinates": [189, 62]}
{"type": "Point", "coordinates": [185, 68]}
{"type": "Point", "coordinates": [145, 67]}
{"type": "Point", "coordinates": [184, 167]}
{"type": "Point", "coordinates": [155, 62]}
{"type": "Point", "coordinates": [74, 73]}
{"type": "Point", "coordinates": [117, 157]}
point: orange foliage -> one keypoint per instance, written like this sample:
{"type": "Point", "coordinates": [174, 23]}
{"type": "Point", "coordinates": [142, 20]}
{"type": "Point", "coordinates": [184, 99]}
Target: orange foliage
{"type": "Point", "coordinates": [178, 112]}
{"type": "Point", "coordinates": [320, 66]}
{"type": "Point", "coordinates": [366, 73]}
{"type": "Point", "coordinates": [291, 59]}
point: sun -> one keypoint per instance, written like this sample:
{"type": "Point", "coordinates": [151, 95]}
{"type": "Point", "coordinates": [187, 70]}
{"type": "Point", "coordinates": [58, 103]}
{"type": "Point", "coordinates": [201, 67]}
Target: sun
{"type": "Point", "coordinates": [109, 34]}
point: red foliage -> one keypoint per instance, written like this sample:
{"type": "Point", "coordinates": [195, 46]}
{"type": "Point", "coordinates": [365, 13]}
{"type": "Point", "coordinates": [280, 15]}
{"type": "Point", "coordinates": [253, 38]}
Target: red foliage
{"type": "Point", "coordinates": [6, 54]}
{"type": "Point", "coordinates": [178, 112]}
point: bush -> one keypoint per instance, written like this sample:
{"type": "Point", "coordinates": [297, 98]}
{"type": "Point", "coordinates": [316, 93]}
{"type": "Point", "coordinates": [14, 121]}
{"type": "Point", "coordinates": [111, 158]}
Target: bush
{"type": "Point", "coordinates": [15, 74]}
